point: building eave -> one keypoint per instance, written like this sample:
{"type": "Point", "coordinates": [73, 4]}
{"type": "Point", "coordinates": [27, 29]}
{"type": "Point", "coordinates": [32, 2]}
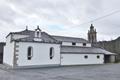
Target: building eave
{"type": "Point", "coordinates": [37, 42]}
{"type": "Point", "coordinates": [79, 53]}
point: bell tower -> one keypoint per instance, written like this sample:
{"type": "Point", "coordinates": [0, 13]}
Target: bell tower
{"type": "Point", "coordinates": [37, 35]}
{"type": "Point", "coordinates": [92, 34]}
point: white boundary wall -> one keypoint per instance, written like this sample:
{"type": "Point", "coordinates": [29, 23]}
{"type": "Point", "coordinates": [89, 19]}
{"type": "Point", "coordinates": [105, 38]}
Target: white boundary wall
{"type": "Point", "coordinates": [79, 59]}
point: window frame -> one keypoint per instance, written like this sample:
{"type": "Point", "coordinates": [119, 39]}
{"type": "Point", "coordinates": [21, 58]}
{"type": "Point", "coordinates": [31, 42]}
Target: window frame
{"type": "Point", "coordinates": [29, 53]}
{"type": "Point", "coordinates": [98, 56]}
{"type": "Point", "coordinates": [51, 52]}
{"type": "Point", "coordinates": [86, 56]}
{"type": "Point", "coordinates": [73, 43]}
{"type": "Point", "coordinates": [84, 44]}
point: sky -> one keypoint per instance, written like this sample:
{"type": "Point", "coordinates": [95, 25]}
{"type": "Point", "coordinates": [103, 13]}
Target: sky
{"type": "Point", "coordinates": [61, 17]}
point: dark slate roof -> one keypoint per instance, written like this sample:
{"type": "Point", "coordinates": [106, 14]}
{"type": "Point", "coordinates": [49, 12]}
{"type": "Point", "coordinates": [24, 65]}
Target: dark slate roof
{"type": "Point", "coordinates": [70, 39]}
{"type": "Point", "coordinates": [84, 50]}
{"type": "Point", "coordinates": [44, 36]}
{"type": "Point", "coordinates": [47, 38]}
{"type": "Point", "coordinates": [24, 32]}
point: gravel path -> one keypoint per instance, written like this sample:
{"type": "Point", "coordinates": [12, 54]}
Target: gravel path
{"type": "Point", "coordinates": [92, 72]}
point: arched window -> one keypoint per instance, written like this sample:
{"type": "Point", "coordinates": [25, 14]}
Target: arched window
{"type": "Point", "coordinates": [51, 53]}
{"type": "Point", "coordinates": [29, 53]}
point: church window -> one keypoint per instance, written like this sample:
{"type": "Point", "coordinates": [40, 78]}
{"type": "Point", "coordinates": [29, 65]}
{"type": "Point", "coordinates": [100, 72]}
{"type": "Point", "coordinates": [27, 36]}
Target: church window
{"type": "Point", "coordinates": [29, 53]}
{"type": "Point", "coordinates": [84, 44]}
{"type": "Point", "coordinates": [73, 43]}
{"type": "Point", "coordinates": [85, 56]}
{"type": "Point", "coordinates": [98, 56]}
{"type": "Point", "coordinates": [51, 53]}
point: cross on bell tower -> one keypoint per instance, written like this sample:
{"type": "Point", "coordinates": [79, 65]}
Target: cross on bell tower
{"type": "Point", "coordinates": [92, 34]}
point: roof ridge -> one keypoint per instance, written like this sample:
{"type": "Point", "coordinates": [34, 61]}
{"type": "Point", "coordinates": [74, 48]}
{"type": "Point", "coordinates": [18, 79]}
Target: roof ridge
{"type": "Point", "coordinates": [19, 32]}
{"type": "Point", "coordinates": [66, 36]}
{"type": "Point", "coordinates": [23, 31]}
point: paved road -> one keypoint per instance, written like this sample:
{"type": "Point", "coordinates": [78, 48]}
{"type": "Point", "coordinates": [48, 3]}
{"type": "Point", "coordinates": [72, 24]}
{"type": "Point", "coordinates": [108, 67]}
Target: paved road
{"type": "Point", "coordinates": [93, 72]}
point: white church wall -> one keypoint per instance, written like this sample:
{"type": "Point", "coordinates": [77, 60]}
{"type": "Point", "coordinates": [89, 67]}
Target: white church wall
{"type": "Point", "coordinates": [8, 53]}
{"type": "Point", "coordinates": [88, 45]}
{"type": "Point", "coordinates": [77, 44]}
{"type": "Point", "coordinates": [81, 44]}
{"type": "Point", "coordinates": [41, 52]}
{"type": "Point", "coordinates": [66, 43]}
{"type": "Point", "coordinates": [79, 59]}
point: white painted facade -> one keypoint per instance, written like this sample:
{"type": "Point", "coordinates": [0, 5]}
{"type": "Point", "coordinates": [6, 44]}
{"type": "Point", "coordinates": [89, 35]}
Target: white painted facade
{"type": "Point", "coordinates": [77, 44]}
{"type": "Point", "coordinates": [40, 56]}
{"type": "Point", "coordinates": [66, 43]}
{"type": "Point", "coordinates": [79, 59]}
{"type": "Point", "coordinates": [8, 52]}
{"type": "Point", "coordinates": [41, 53]}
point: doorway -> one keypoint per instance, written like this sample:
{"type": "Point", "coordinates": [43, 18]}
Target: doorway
{"type": "Point", "coordinates": [107, 59]}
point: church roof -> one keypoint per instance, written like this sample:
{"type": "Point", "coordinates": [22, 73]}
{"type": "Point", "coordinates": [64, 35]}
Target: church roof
{"type": "Point", "coordinates": [44, 36]}
{"type": "Point", "coordinates": [24, 32]}
{"type": "Point", "coordinates": [70, 39]}
{"type": "Point", "coordinates": [84, 50]}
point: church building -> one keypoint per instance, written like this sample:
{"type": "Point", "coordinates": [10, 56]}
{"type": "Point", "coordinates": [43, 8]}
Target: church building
{"type": "Point", "coordinates": [35, 48]}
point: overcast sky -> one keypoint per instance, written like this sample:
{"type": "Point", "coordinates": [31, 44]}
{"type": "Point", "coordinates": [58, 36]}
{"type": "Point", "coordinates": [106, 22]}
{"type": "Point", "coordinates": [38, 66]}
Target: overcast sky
{"type": "Point", "coordinates": [61, 17]}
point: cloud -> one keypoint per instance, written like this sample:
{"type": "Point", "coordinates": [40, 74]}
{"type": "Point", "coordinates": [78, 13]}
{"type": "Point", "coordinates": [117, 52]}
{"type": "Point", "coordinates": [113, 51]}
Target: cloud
{"type": "Point", "coordinates": [60, 17]}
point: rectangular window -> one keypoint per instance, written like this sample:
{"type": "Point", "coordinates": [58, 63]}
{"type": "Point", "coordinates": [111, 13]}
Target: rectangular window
{"type": "Point", "coordinates": [73, 43]}
{"type": "Point", "coordinates": [84, 44]}
{"type": "Point", "coordinates": [86, 56]}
